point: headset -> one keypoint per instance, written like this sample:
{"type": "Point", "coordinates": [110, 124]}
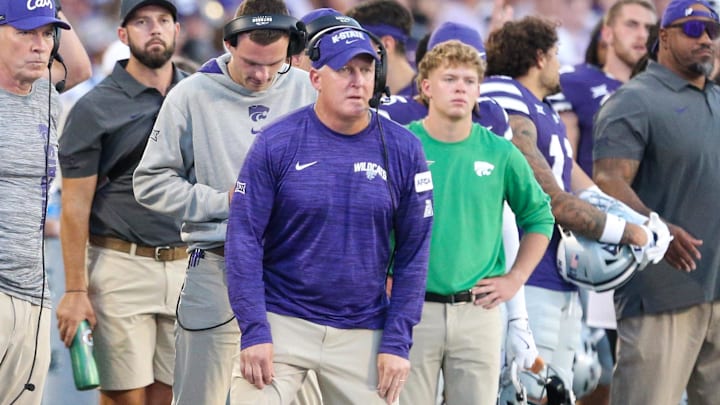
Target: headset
{"type": "Point", "coordinates": [313, 52]}
{"type": "Point", "coordinates": [294, 28]}
{"type": "Point", "coordinates": [315, 26]}
{"type": "Point", "coordinates": [55, 56]}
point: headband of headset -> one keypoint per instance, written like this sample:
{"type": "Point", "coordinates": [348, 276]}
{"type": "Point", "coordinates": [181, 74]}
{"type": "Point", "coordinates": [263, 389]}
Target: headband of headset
{"type": "Point", "coordinates": [246, 23]}
{"type": "Point", "coordinates": [315, 26]}
{"type": "Point", "coordinates": [313, 52]}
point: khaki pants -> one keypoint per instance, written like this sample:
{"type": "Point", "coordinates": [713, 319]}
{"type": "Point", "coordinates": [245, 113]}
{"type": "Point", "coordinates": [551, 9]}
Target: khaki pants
{"type": "Point", "coordinates": [345, 362]}
{"type": "Point", "coordinates": [659, 354]}
{"type": "Point", "coordinates": [205, 358]}
{"type": "Point", "coordinates": [18, 327]}
{"type": "Point", "coordinates": [134, 300]}
{"type": "Point", "coordinates": [463, 343]}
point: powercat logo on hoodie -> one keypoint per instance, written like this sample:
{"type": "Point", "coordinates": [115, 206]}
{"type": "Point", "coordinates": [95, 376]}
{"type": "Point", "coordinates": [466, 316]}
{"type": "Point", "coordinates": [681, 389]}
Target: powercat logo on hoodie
{"type": "Point", "coordinates": [257, 113]}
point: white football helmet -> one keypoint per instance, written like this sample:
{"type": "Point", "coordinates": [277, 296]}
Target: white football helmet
{"type": "Point", "coordinates": [586, 366]}
{"type": "Point", "coordinates": [594, 265]}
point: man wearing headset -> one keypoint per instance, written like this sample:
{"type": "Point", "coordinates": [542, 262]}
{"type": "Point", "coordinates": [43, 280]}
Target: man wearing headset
{"type": "Point", "coordinates": [202, 134]}
{"type": "Point", "coordinates": [135, 258]}
{"type": "Point", "coordinates": [29, 116]}
{"type": "Point", "coordinates": [325, 197]}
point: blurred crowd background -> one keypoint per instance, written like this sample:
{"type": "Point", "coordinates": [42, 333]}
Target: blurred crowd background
{"type": "Point", "coordinates": [201, 23]}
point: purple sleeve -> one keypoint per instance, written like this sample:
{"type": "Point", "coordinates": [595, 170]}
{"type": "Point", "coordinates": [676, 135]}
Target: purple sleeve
{"type": "Point", "coordinates": [250, 210]}
{"type": "Point", "coordinates": [413, 222]}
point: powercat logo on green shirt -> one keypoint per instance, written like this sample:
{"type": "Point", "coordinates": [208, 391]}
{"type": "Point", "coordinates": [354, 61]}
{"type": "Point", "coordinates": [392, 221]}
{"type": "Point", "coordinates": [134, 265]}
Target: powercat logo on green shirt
{"type": "Point", "coordinates": [484, 168]}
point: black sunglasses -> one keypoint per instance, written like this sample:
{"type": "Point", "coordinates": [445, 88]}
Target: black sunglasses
{"type": "Point", "coordinates": [695, 28]}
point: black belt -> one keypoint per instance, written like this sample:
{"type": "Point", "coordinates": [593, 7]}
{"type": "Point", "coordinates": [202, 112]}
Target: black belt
{"type": "Point", "coordinates": [457, 298]}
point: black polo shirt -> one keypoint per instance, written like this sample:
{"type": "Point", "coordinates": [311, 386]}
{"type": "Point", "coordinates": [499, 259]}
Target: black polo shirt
{"type": "Point", "coordinates": [105, 135]}
{"type": "Point", "coordinates": [673, 129]}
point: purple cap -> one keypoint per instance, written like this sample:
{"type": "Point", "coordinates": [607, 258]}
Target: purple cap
{"type": "Point", "coordinates": [318, 13]}
{"type": "Point", "coordinates": [324, 18]}
{"type": "Point", "coordinates": [678, 9]}
{"type": "Point", "coordinates": [336, 48]}
{"type": "Point", "coordinates": [463, 33]}
{"type": "Point", "coordinates": [29, 14]}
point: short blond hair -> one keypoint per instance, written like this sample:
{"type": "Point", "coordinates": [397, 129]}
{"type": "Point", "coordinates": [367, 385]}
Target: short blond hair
{"type": "Point", "coordinates": [449, 53]}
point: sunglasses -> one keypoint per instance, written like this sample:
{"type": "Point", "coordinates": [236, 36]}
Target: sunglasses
{"type": "Point", "coordinates": [696, 28]}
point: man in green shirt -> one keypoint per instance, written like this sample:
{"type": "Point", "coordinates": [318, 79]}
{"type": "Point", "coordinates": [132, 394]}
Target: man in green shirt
{"type": "Point", "coordinates": [474, 174]}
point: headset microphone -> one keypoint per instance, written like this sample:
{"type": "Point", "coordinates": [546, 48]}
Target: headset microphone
{"type": "Point", "coordinates": [60, 86]}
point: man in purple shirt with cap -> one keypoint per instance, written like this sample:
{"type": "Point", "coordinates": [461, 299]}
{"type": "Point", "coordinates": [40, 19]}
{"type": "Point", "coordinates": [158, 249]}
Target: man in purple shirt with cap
{"type": "Point", "coordinates": [328, 199]}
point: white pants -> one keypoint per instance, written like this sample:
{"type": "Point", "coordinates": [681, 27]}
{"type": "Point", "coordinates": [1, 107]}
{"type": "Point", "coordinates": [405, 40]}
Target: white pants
{"type": "Point", "coordinates": [555, 321]}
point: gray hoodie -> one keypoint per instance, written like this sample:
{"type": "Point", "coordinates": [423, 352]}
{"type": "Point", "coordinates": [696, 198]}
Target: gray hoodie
{"type": "Point", "coordinates": [199, 142]}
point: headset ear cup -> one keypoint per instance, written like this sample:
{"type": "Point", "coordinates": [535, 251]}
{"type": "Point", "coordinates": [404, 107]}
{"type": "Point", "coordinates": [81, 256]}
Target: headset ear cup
{"type": "Point", "coordinates": [313, 51]}
{"type": "Point", "coordinates": [298, 39]}
{"type": "Point", "coordinates": [56, 41]}
{"type": "Point", "coordinates": [380, 74]}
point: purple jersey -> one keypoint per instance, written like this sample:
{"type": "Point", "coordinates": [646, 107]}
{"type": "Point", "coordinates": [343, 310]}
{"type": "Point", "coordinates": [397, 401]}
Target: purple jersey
{"type": "Point", "coordinates": [310, 225]}
{"type": "Point", "coordinates": [489, 114]}
{"type": "Point", "coordinates": [584, 89]}
{"type": "Point", "coordinates": [409, 91]}
{"type": "Point", "coordinates": [555, 147]}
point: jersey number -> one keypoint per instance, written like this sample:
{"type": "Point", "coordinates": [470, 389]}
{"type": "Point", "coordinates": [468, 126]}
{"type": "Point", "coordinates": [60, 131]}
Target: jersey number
{"type": "Point", "coordinates": [559, 155]}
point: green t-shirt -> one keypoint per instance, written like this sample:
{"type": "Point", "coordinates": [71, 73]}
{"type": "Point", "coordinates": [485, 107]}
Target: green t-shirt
{"type": "Point", "coordinates": [471, 181]}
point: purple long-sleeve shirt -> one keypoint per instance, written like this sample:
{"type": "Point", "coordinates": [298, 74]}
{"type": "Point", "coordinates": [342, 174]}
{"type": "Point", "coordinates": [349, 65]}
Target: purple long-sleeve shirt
{"type": "Point", "coordinates": [310, 227]}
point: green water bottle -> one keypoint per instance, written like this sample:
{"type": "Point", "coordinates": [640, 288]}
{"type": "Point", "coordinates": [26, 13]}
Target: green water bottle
{"type": "Point", "coordinates": [84, 368]}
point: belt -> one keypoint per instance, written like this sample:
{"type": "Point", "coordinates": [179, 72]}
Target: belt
{"type": "Point", "coordinates": [458, 298]}
{"type": "Point", "coordinates": [220, 251]}
{"type": "Point", "coordinates": [159, 253]}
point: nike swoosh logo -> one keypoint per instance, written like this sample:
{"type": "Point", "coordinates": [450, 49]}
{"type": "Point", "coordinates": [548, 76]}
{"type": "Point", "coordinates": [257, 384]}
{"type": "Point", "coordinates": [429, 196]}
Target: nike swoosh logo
{"type": "Point", "coordinates": [299, 167]}
{"type": "Point", "coordinates": [348, 41]}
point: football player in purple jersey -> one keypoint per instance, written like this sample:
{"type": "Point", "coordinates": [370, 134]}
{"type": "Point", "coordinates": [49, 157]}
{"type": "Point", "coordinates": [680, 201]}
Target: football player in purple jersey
{"type": "Point", "coordinates": [625, 29]}
{"type": "Point", "coordinates": [523, 71]}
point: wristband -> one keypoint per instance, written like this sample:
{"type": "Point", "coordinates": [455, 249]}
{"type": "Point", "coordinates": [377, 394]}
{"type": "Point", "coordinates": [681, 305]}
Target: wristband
{"type": "Point", "coordinates": [516, 308]}
{"type": "Point", "coordinates": [613, 231]}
